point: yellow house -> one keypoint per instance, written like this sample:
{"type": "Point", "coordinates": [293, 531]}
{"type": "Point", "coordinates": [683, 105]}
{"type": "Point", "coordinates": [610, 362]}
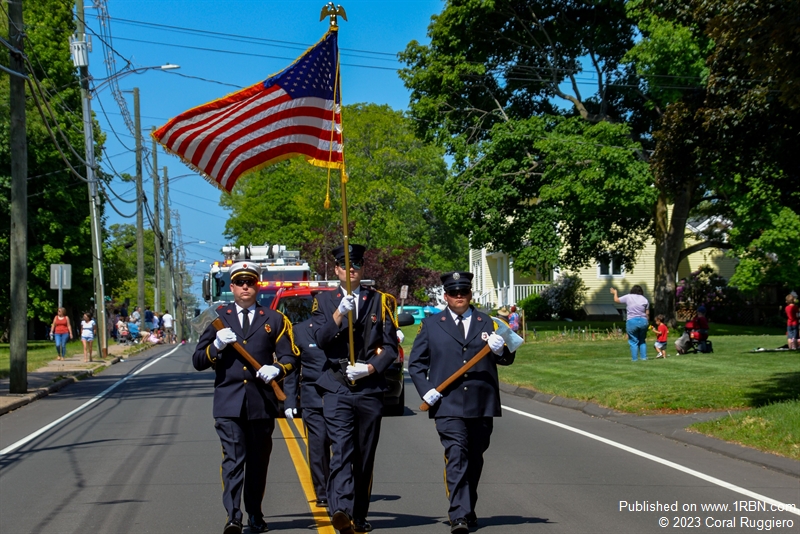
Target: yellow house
{"type": "Point", "coordinates": [497, 284]}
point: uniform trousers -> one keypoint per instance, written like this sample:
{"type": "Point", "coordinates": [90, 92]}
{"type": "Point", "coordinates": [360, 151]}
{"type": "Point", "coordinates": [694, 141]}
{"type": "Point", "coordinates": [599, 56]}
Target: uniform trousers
{"type": "Point", "coordinates": [464, 440]}
{"type": "Point", "coordinates": [319, 450]}
{"type": "Point", "coordinates": [354, 426]}
{"type": "Point", "coordinates": [246, 448]}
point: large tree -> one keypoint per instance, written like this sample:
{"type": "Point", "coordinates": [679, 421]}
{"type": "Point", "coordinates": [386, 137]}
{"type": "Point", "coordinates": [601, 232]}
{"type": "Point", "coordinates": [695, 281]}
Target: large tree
{"type": "Point", "coordinates": [58, 202]}
{"type": "Point", "coordinates": [505, 86]}
{"type": "Point", "coordinates": [394, 195]}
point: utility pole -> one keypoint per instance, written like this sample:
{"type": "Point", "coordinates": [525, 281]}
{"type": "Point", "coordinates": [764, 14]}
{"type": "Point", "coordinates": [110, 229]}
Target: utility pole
{"type": "Point", "coordinates": [139, 203]}
{"type": "Point", "coordinates": [80, 58]}
{"type": "Point", "coordinates": [18, 372]}
{"type": "Point", "coordinates": [156, 230]}
{"type": "Point", "coordinates": [170, 300]}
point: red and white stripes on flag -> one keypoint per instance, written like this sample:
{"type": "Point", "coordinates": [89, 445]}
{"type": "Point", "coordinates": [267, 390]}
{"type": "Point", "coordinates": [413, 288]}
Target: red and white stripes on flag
{"type": "Point", "coordinates": [293, 113]}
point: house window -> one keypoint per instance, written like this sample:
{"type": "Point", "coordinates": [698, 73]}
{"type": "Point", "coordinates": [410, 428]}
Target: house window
{"type": "Point", "coordinates": [610, 268]}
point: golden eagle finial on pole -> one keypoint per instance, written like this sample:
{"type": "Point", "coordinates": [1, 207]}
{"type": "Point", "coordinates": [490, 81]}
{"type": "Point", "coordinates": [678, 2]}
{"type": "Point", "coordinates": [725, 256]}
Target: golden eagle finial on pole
{"type": "Point", "coordinates": [332, 11]}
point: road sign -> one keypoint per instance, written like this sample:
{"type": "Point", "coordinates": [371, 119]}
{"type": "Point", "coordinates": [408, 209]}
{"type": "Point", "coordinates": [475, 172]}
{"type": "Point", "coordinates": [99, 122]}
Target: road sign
{"type": "Point", "coordinates": [62, 271]}
{"type": "Point", "coordinates": [403, 292]}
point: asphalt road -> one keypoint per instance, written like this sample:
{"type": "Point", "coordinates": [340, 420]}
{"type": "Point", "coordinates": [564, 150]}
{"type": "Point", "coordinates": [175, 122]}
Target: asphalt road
{"type": "Point", "coordinates": [141, 456]}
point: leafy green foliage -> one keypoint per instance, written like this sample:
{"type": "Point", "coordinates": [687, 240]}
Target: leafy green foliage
{"type": "Point", "coordinates": [536, 308]}
{"type": "Point", "coordinates": [58, 203]}
{"type": "Point", "coordinates": [566, 296]}
{"type": "Point", "coordinates": [394, 194]}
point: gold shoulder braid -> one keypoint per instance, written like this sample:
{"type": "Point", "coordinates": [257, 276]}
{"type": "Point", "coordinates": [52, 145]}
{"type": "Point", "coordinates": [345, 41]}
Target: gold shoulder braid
{"type": "Point", "coordinates": [419, 329]}
{"type": "Point", "coordinates": [287, 327]}
{"type": "Point", "coordinates": [389, 306]}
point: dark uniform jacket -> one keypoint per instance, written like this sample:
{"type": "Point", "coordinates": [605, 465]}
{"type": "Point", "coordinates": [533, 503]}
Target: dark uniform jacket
{"type": "Point", "coordinates": [439, 351]}
{"type": "Point", "coordinates": [269, 338]}
{"type": "Point", "coordinates": [313, 363]}
{"type": "Point", "coordinates": [374, 337]}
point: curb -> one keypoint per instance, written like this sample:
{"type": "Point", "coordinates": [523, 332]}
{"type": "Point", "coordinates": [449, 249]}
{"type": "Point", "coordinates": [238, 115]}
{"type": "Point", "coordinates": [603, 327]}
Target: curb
{"type": "Point", "coordinates": [676, 432]}
{"type": "Point", "coordinates": [64, 382]}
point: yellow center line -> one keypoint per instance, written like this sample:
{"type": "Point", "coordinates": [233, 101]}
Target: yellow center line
{"type": "Point", "coordinates": [304, 474]}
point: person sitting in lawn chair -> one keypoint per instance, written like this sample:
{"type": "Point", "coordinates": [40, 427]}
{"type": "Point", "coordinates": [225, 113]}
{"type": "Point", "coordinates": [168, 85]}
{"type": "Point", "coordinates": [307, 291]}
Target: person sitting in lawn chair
{"type": "Point", "coordinates": [133, 332]}
{"type": "Point", "coordinates": [695, 336]}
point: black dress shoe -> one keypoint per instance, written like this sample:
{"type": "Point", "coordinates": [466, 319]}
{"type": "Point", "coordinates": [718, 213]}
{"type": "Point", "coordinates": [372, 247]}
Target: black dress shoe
{"type": "Point", "coordinates": [459, 526]}
{"type": "Point", "coordinates": [361, 525]}
{"type": "Point", "coordinates": [472, 520]}
{"type": "Point", "coordinates": [232, 527]}
{"type": "Point", "coordinates": [322, 503]}
{"type": "Point", "coordinates": [257, 524]}
{"type": "Point", "coordinates": [341, 521]}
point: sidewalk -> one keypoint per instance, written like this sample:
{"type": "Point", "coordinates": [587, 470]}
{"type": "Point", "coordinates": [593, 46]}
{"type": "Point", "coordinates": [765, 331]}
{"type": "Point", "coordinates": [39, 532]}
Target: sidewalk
{"type": "Point", "coordinates": [54, 376]}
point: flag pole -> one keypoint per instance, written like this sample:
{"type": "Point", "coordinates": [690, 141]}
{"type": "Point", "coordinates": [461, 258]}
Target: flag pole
{"type": "Point", "coordinates": [333, 12]}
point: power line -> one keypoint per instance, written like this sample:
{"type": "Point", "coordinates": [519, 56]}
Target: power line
{"type": "Point", "coordinates": [235, 53]}
{"type": "Point", "coordinates": [245, 38]}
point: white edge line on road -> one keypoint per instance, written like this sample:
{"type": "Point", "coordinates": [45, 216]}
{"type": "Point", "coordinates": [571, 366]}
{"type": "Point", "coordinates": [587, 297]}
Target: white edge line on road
{"type": "Point", "coordinates": [14, 446]}
{"type": "Point", "coordinates": [782, 506]}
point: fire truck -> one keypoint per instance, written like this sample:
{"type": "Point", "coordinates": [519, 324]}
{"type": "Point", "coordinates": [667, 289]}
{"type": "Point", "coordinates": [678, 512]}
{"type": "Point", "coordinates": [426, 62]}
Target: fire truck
{"type": "Point", "coordinates": [279, 268]}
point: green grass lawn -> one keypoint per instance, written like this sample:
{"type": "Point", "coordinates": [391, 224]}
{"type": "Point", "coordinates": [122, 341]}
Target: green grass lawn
{"type": "Point", "coordinates": [597, 368]}
{"type": "Point", "coordinates": [40, 353]}
{"type": "Point", "coordinates": [772, 428]}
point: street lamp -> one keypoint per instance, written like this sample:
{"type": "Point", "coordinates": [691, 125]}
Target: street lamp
{"type": "Point", "coordinates": [80, 48]}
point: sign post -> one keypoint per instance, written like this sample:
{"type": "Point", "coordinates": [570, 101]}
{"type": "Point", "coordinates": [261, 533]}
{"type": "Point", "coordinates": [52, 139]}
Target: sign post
{"type": "Point", "coordinates": [403, 296]}
{"type": "Point", "coordinates": [61, 279]}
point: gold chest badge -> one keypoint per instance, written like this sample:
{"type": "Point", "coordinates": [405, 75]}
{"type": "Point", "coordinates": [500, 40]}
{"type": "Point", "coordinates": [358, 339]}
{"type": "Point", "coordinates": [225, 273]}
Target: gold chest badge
{"type": "Point", "coordinates": [268, 328]}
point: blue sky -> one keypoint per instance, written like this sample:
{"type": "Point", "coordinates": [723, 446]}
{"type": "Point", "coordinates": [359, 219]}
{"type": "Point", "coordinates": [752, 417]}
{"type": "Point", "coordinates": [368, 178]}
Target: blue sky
{"type": "Point", "coordinates": [144, 33]}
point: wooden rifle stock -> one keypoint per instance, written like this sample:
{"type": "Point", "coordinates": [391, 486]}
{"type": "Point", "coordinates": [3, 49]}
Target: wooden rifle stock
{"type": "Point", "coordinates": [279, 394]}
{"type": "Point", "coordinates": [464, 368]}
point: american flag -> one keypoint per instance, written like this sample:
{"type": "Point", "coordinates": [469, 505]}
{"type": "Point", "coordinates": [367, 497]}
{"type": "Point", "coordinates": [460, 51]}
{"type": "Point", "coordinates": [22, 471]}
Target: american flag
{"type": "Point", "coordinates": [289, 114]}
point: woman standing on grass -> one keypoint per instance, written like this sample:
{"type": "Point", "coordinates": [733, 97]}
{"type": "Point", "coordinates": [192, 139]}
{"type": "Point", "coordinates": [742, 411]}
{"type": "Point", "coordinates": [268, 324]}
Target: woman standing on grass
{"type": "Point", "coordinates": [638, 320]}
{"type": "Point", "coordinates": [61, 330]}
{"type": "Point", "coordinates": [88, 329]}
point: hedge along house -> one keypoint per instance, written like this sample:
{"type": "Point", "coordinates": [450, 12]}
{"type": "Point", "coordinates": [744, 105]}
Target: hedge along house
{"type": "Point", "coordinates": [496, 283]}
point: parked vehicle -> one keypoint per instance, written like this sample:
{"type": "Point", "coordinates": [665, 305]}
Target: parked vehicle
{"type": "Point", "coordinates": [417, 312]}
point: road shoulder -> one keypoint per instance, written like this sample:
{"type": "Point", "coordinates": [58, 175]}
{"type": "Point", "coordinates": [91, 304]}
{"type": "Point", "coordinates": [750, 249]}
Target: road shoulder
{"type": "Point", "coordinates": [669, 426]}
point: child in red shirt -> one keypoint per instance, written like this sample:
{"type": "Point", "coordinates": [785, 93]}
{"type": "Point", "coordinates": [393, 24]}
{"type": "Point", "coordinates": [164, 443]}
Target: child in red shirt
{"type": "Point", "coordinates": [661, 341]}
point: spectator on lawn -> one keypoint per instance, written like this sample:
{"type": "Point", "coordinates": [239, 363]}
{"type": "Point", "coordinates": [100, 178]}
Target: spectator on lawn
{"type": "Point", "coordinates": [514, 319]}
{"type": "Point", "coordinates": [663, 332]}
{"type": "Point", "coordinates": [638, 321]}
{"type": "Point", "coordinates": [791, 322]}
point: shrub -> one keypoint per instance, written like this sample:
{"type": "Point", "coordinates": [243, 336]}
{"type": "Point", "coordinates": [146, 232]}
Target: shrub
{"type": "Point", "coordinates": [566, 296]}
{"type": "Point", "coordinates": [536, 308]}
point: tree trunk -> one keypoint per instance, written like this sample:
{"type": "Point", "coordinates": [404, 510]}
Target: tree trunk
{"type": "Point", "coordinates": [669, 236]}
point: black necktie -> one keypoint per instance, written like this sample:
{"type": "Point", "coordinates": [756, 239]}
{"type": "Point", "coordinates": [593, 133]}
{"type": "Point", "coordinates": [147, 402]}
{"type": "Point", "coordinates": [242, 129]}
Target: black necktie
{"type": "Point", "coordinates": [460, 324]}
{"type": "Point", "coordinates": [245, 321]}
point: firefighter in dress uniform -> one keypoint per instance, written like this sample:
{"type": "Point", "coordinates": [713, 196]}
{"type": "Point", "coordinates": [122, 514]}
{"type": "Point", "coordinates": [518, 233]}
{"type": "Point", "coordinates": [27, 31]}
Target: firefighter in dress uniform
{"type": "Point", "coordinates": [463, 413]}
{"type": "Point", "coordinates": [353, 394]}
{"type": "Point", "coordinates": [313, 363]}
{"type": "Point", "coordinates": [245, 406]}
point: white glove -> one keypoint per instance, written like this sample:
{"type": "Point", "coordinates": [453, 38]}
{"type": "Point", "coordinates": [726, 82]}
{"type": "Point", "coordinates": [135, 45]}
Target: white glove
{"type": "Point", "coordinates": [400, 336]}
{"type": "Point", "coordinates": [290, 413]}
{"type": "Point", "coordinates": [268, 373]}
{"type": "Point", "coordinates": [224, 336]}
{"type": "Point", "coordinates": [359, 370]}
{"type": "Point", "coordinates": [432, 397]}
{"type": "Point", "coordinates": [496, 343]}
{"type": "Point", "coordinates": [347, 304]}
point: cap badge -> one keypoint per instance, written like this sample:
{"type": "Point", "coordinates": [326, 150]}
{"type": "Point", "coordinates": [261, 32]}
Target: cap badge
{"type": "Point", "coordinates": [456, 276]}
{"type": "Point", "coordinates": [244, 266]}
